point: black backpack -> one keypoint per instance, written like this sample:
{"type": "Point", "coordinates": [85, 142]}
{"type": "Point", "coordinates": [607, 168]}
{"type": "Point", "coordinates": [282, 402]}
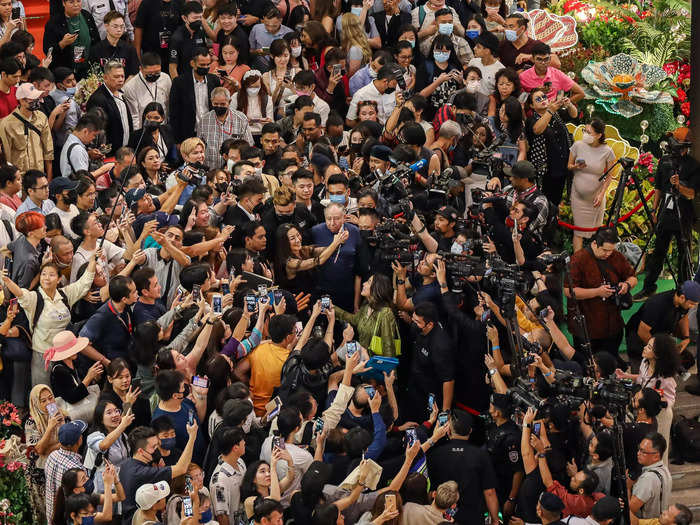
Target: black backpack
{"type": "Point", "coordinates": [73, 327]}
{"type": "Point", "coordinates": [685, 439]}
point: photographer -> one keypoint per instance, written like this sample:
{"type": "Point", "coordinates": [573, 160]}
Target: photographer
{"type": "Point", "coordinates": [518, 245]}
{"type": "Point", "coordinates": [600, 276]}
{"type": "Point", "coordinates": [650, 494]}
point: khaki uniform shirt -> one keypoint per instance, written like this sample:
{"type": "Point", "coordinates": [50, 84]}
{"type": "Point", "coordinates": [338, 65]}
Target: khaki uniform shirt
{"type": "Point", "coordinates": [26, 149]}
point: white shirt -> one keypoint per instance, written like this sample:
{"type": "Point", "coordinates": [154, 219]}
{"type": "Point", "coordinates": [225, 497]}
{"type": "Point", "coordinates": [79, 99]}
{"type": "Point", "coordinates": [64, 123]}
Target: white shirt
{"type": "Point", "coordinates": [138, 93]}
{"type": "Point", "coordinates": [99, 8]}
{"type": "Point", "coordinates": [488, 74]}
{"type": "Point", "coordinates": [66, 217]}
{"type": "Point", "coordinates": [112, 255]}
{"type": "Point", "coordinates": [385, 103]}
{"type": "Point", "coordinates": [320, 106]}
{"type": "Point", "coordinates": [301, 459]}
{"type": "Point", "coordinates": [201, 97]}
{"type": "Point", "coordinates": [124, 114]}
{"type": "Point", "coordinates": [254, 111]}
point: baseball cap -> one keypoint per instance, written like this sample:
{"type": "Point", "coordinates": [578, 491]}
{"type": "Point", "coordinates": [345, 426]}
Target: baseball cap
{"type": "Point", "coordinates": [70, 433]}
{"type": "Point", "coordinates": [317, 475]}
{"type": "Point", "coordinates": [523, 169]}
{"type": "Point", "coordinates": [691, 290]}
{"type": "Point", "coordinates": [27, 90]}
{"type": "Point", "coordinates": [607, 508]}
{"type": "Point", "coordinates": [551, 502]}
{"type": "Point", "coordinates": [500, 401]}
{"type": "Point", "coordinates": [380, 152]}
{"type": "Point", "coordinates": [134, 195]}
{"type": "Point", "coordinates": [448, 212]}
{"type": "Point", "coordinates": [59, 184]}
{"type": "Point", "coordinates": [151, 493]}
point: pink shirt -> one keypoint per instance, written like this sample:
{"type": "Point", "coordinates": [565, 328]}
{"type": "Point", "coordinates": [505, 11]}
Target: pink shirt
{"type": "Point", "coordinates": [667, 384]}
{"type": "Point", "coordinates": [13, 202]}
{"type": "Point", "coordinates": [529, 80]}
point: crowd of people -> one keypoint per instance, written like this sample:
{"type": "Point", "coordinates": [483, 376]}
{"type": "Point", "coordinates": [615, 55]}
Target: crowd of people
{"type": "Point", "coordinates": [292, 263]}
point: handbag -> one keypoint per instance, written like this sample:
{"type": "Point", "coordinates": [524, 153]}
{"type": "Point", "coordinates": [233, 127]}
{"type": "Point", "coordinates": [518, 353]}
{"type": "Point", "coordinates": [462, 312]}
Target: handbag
{"type": "Point", "coordinates": [375, 344]}
{"type": "Point", "coordinates": [83, 409]}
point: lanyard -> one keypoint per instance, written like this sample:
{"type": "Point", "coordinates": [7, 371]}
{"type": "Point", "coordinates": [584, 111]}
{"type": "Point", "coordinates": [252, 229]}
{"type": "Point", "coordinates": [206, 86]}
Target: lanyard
{"type": "Point", "coordinates": [228, 132]}
{"type": "Point", "coordinates": [111, 308]}
{"type": "Point", "coordinates": [145, 84]}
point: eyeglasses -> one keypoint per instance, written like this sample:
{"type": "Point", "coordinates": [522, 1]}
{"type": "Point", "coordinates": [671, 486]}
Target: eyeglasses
{"type": "Point", "coordinates": [44, 187]}
{"type": "Point", "coordinates": [540, 98]}
{"type": "Point", "coordinates": [115, 412]}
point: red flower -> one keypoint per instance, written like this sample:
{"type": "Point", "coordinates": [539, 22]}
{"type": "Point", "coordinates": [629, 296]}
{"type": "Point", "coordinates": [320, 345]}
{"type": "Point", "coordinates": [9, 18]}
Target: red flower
{"type": "Point", "coordinates": [680, 94]}
{"type": "Point", "coordinates": [685, 108]}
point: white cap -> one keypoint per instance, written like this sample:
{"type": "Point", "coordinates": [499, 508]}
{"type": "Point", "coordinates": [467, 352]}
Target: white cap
{"type": "Point", "coordinates": [27, 90]}
{"type": "Point", "coordinates": [150, 494]}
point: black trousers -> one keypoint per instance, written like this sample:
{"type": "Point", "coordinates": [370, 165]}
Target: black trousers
{"type": "Point", "coordinates": [609, 344]}
{"type": "Point", "coordinates": [553, 189]}
{"type": "Point", "coordinates": [655, 260]}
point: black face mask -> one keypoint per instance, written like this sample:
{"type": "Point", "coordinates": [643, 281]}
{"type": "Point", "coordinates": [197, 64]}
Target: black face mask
{"type": "Point", "coordinates": [335, 140]}
{"type": "Point", "coordinates": [389, 90]}
{"type": "Point", "coordinates": [155, 457]}
{"type": "Point", "coordinates": [152, 78]}
{"type": "Point", "coordinates": [220, 110]}
{"type": "Point", "coordinates": [196, 25]}
{"type": "Point", "coordinates": [70, 197]}
{"type": "Point", "coordinates": [152, 125]}
{"type": "Point", "coordinates": [259, 208]}
{"type": "Point", "coordinates": [202, 71]}
{"type": "Point", "coordinates": [287, 217]}
{"type": "Point", "coordinates": [186, 392]}
{"type": "Point", "coordinates": [365, 235]}
{"type": "Point", "coordinates": [34, 105]}
{"type": "Point", "coordinates": [355, 147]}
{"type": "Point", "coordinates": [89, 486]}
{"type": "Point", "coordinates": [221, 187]}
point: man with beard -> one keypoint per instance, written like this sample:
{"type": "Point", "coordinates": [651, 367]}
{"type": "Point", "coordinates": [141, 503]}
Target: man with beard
{"type": "Point", "coordinates": [62, 190]}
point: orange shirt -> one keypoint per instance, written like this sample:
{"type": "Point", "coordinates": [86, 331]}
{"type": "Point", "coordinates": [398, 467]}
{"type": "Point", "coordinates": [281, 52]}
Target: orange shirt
{"type": "Point", "coordinates": [266, 363]}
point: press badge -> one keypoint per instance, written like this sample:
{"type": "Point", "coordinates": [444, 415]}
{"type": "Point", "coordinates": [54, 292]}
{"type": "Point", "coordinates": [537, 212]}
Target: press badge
{"type": "Point", "coordinates": [164, 38]}
{"type": "Point", "coordinates": [78, 52]}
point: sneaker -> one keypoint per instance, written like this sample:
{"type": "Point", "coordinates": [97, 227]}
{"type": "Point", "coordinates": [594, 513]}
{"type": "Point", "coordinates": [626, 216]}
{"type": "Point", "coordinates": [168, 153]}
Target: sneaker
{"type": "Point", "coordinates": [643, 294]}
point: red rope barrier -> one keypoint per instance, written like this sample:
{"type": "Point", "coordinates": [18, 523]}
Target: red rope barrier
{"type": "Point", "coordinates": [621, 219]}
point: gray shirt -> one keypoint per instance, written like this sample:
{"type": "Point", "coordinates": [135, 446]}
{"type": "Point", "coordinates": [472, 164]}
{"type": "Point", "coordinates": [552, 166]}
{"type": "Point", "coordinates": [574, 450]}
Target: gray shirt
{"type": "Point", "coordinates": [604, 472]}
{"type": "Point", "coordinates": [79, 159]}
{"type": "Point", "coordinates": [654, 488]}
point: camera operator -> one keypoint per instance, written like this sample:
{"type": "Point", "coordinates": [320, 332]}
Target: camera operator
{"type": "Point", "coordinates": [513, 239]}
{"type": "Point", "coordinates": [445, 221]}
{"type": "Point", "coordinates": [646, 406]}
{"type": "Point", "coordinates": [600, 275]}
{"type": "Point", "coordinates": [666, 312]}
{"type": "Point", "coordinates": [677, 179]}
{"type": "Point", "coordinates": [427, 289]}
{"type": "Point", "coordinates": [650, 494]}
{"type": "Point", "coordinates": [523, 188]}
{"type": "Point", "coordinates": [370, 259]}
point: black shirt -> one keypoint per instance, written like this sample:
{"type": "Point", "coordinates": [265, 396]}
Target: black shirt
{"type": "Point", "coordinates": [133, 473]}
{"type": "Point", "coordinates": [433, 362]}
{"type": "Point", "coordinates": [103, 51]}
{"type": "Point", "coordinates": [182, 46]}
{"type": "Point", "coordinates": [158, 19]}
{"type": "Point", "coordinates": [458, 460]}
{"type": "Point", "coordinates": [660, 313]}
{"type": "Point", "coordinates": [503, 445]}
{"type": "Point", "coordinates": [689, 176]}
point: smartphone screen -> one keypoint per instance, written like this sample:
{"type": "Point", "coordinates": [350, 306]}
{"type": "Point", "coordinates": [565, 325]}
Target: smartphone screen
{"type": "Point", "coordinates": [350, 348]}
{"type": "Point", "coordinates": [188, 484]}
{"type": "Point", "coordinates": [190, 418]}
{"type": "Point", "coordinates": [196, 293]}
{"type": "Point", "coordinates": [225, 288]}
{"type": "Point", "coordinates": [52, 409]}
{"type": "Point", "coordinates": [536, 428]}
{"type": "Point", "coordinates": [187, 506]}
{"type": "Point", "coordinates": [370, 391]}
{"type": "Point", "coordinates": [325, 303]}
{"type": "Point", "coordinates": [298, 328]}
{"type": "Point", "coordinates": [431, 402]}
{"type": "Point", "coordinates": [216, 303]}
{"type": "Point", "coordinates": [200, 381]}
{"type": "Point", "coordinates": [442, 418]}
{"type": "Point", "coordinates": [411, 436]}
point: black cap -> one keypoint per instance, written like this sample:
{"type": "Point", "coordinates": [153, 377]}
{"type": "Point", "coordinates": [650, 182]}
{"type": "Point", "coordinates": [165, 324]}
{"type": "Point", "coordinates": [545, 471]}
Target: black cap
{"type": "Point", "coordinates": [607, 508]}
{"type": "Point", "coordinates": [489, 41]}
{"type": "Point", "coordinates": [448, 212]}
{"type": "Point", "coordinates": [500, 401]}
{"type": "Point", "coordinates": [390, 71]}
{"type": "Point", "coordinates": [59, 184]}
{"type": "Point", "coordinates": [413, 133]}
{"type": "Point", "coordinates": [381, 152]}
{"type": "Point", "coordinates": [551, 502]}
{"type": "Point", "coordinates": [316, 476]}
{"type": "Point", "coordinates": [523, 169]}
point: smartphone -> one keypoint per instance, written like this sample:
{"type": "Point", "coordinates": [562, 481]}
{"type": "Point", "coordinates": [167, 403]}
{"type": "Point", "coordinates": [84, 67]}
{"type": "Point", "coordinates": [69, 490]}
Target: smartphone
{"type": "Point", "coordinates": [251, 302]}
{"type": "Point", "coordinates": [370, 391]}
{"type": "Point", "coordinates": [49, 54]}
{"type": "Point", "coordinates": [547, 85]}
{"type": "Point", "coordinates": [298, 328]}
{"type": "Point", "coordinates": [13, 302]}
{"type": "Point", "coordinates": [450, 513]}
{"type": "Point", "coordinates": [277, 294]}
{"type": "Point", "coordinates": [225, 288]}
{"type": "Point", "coordinates": [8, 265]}
{"type": "Point", "coordinates": [390, 502]}
{"type": "Point", "coordinates": [443, 417]}
{"type": "Point", "coordinates": [190, 418]}
{"type": "Point", "coordinates": [580, 161]}
{"type": "Point", "coordinates": [196, 292]}
{"type": "Point", "coordinates": [273, 407]}
{"type": "Point", "coordinates": [318, 426]}
{"type": "Point", "coordinates": [181, 291]}
{"type": "Point", "coordinates": [189, 488]}
{"type": "Point", "coordinates": [216, 303]}
{"type": "Point", "coordinates": [543, 314]}
{"type": "Point", "coordinates": [337, 69]}
{"type": "Point", "coordinates": [262, 290]}
{"type": "Point", "coordinates": [486, 315]}
{"type": "Point", "coordinates": [52, 409]}
{"type": "Point", "coordinates": [325, 303]}
{"type": "Point", "coordinates": [536, 429]}
{"type": "Point", "coordinates": [187, 506]}
{"type": "Point", "coordinates": [560, 94]}
{"type": "Point", "coordinates": [431, 402]}
{"type": "Point", "coordinates": [266, 50]}
{"type": "Point", "coordinates": [411, 436]}
{"type": "Point", "coordinates": [200, 381]}
{"type": "Point", "coordinates": [16, 13]}
{"type": "Point", "coordinates": [135, 383]}
{"type": "Point", "coordinates": [221, 73]}
{"type": "Point", "coordinates": [350, 348]}
{"type": "Point", "coordinates": [278, 442]}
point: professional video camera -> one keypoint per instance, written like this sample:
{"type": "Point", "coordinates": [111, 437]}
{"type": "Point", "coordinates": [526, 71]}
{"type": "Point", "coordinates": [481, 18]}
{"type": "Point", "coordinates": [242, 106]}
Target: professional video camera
{"type": "Point", "coordinates": [460, 266]}
{"type": "Point", "coordinates": [616, 392]}
{"type": "Point", "coordinates": [192, 173]}
{"type": "Point", "coordinates": [394, 242]}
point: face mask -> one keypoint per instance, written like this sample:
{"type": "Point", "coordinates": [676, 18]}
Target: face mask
{"type": "Point", "coordinates": [511, 35]}
{"type": "Point", "coordinates": [338, 199]}
{"type": "Point", "coordinates": [87, 520]}
{"type": "Point", "coordinates": [287, 217]}
{"type": "Point", "coordinates": [357, 11]}
{"type": "Point", "coordinates": [412, 42]}
{"type": "Point", "coordinates": [187, 391]}
{"type": "Point", "coordinates": [389, 90]}
{"type": "Point", "coordinates": [156, 457]}
{"type": "Point", "coordinates": [34, 105]}
{"type": "Point", "coordinates": [152, 124]}
{"type": "Point", "coordinates": [206, 516]}
{"type": "Point", "coordinates": [335, 140]}
{"type": "Point", "coordinates": [70, 91]}
{"type": "Point", "coordinates": [89, 486]}
{"type": "Point", "coordinates": [472, 33]}
{"type": "Point", "coordinates": [300, 93]}
{"type": "Point", "coordinates": [168, 443]}
{"type": "Point", "coordinates": [588, 138]}
{"type": "Point", "coordinates": [196, 25]}
{"type": "Point", "coordinates": [296, 52]}
{"type": "Point", "coordinates": [355, 147]}
{"type": "Point", "coordinates": [491, 9]}
{"type": "Point", "coordinates": [202, 71]}
{"type": "Point", "coordinates": [220, 110]}
{"type": "Point", "coordinates": [372, 73]}
{"type": "Point", "coordinates": [229, 165]}
{"type": "Point", "coordinates": [252, 91]}
{"type": "Point", "coordinates": [441, 56]}
{"type": "Point", "coordinates": [473, 86]}
{"type": "Point", "coordinates": [457, 248]}
{"type": "Point", "coordinates": [152, 78]}
{"type": "Point", "coordinates": [259, 208]}
{"type": "Point", "coordinates": [445, 29]}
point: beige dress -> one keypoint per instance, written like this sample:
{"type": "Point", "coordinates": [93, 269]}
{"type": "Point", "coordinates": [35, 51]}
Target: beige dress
{"type": "Point", "coordinates": [585, 185]}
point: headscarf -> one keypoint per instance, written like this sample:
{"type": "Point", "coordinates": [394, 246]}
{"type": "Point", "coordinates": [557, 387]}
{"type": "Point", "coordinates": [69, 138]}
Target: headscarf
{"type": "Point", "coordinates": [41, 418]}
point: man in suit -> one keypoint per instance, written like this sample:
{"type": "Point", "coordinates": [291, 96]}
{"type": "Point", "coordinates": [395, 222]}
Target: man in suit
{"type": "Point", "coordinates": [190, 96]}
{"type": "Point", "coordinates": [389, 21]}
{"type": "Point", "coordinates": [110, 97]}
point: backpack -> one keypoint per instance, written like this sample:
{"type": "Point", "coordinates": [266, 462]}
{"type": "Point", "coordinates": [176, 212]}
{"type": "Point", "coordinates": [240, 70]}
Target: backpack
{"type": "Point", "coordinates": [73, 327]}
{"type": "Point", "coordinates": [292, 376]}
{"type": "Point", "coordinates": [8, 227]}
{"type": "Point", "coordinates": [685, 439]}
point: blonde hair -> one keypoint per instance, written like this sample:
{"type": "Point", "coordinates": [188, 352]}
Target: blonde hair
{"type": "Point", "coordinates": [446, 495]}
{"type": "Point", "coordinates": [353, 34]}
{"type": "Point", "coordinates": [188, 145]}
{"type": "Point", "coordinates": [283, 196]}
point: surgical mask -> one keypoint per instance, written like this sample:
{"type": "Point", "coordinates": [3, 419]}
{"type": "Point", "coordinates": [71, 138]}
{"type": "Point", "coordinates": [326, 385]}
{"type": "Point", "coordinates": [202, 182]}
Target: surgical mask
{"type": "Point", "coordinates": [492, 9]}
{"type": "Point", "coordinates": [220, 110]}
{"type": "Point", "coordinates": [252, 91]}
{"type": "Point", "coordinates": [89, 486]}
{"type": "Point", "coordinates": [337, 199]}
{"type": "Point", "coordinates": [168, 443]}
{"type": "Point", "coordinates": [202, 71]}
{"type": "Point", "coordinates": [473, 86]}
{"type": "Point", "coordinates": [357, 11]}
{"type": "Point", "coordinates": [70, 91]}
{"type": "Point", "coordinates": [34, 105]}
{"type": "Point", "coordinates": [445, 29]}
{"type": "Point", "coordinates": [472, 33]}
{"type": "Point", "coordinates": [87, 520]}
{"type": "Point", "coordinates": [588, 138]}
{"type": "Point", "coordinates": [296, 51]}
{"type": "Point", "coordinates": [229, 165]}
{"type": "Point", "coordinates": [412, 42]}
{"type": "Point", "coordinates": [457, 248]}
{"type": "Point", "coordinates": [372, 72]}
{"type": "Point", "coordinates": [196, 25]}
{"type": "Point", "coordinates": [511, 35]}
{"type": "Point", "coordinates": [258, 172]}
{"type": "Point", "coordinates": [206, 516]}
{"type": "Point", "coordinates": [441, 56]}
{"type": "Point", "coordinates": [300, 93]}
{"type": "Point", "coordinates": [152, 78]}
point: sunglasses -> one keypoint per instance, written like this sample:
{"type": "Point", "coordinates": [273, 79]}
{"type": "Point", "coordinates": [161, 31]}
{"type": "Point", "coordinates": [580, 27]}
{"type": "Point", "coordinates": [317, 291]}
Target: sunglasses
{"type": "Point", "coordinates": [541, 98]}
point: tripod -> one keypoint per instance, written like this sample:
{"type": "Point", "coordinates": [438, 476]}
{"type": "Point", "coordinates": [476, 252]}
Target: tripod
{"type": "Point", "coordinates": [581, 322]}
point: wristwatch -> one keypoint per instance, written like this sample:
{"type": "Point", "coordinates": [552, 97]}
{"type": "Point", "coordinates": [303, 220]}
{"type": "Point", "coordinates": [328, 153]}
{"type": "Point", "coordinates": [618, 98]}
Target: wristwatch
{"type": "Point", "coordinates": [492, 371]}
{"type": "Point", "coordinates": [400, 281]}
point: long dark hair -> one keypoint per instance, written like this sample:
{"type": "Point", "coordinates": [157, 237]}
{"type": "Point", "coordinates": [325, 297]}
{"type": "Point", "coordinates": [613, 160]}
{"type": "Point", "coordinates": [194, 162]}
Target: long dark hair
{"type": "Point", "coordinates": [116, 366]}
{"type": "Point", "coordinates": [381, 292]}
{"type": "Point", "coordinates": [242, 97]}
{"type": "Point", "coordinates": [444, 41]}
{"type": "Point", "coordinates": [514, 112]}
{"type": "Point", "coordinates": [229, 40]}
{"type": "Point", "coordinates": [668, 360]}
{"type": "Point", "coordinates": [145, 344]}
{"type": "Point", "coordinates": [283, 249]}
{"type": "Point", "coordinates": [248, 487]}
{"type": "Point", "coordinates": [69, 482]}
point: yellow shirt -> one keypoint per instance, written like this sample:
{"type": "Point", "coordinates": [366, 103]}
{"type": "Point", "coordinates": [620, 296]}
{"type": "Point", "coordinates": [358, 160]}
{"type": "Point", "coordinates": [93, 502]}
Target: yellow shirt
{"type": "Point", "coordinates": [266, 363]}
{"type": "Point", "coordinates": [650, 521]}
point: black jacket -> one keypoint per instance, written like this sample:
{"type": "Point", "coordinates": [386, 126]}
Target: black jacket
{"type": "Point", "coordinates": [170, 156]}
{"type": "Point", "coordinates": [183, 110]}
{"type": "Point", "coordinates": [389, 36]}
{"type": "Point", "coordinates": [102, 98]}
{"type": "Point", "coordinates": [56, 29]}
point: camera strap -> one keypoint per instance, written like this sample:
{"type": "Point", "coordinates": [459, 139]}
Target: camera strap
{"type": "Point", "coordinates": [602, 266]}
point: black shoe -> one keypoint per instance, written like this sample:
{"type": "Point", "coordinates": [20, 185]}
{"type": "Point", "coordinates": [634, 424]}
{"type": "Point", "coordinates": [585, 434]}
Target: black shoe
{"type": "Point", "coordinates": [643, 294]}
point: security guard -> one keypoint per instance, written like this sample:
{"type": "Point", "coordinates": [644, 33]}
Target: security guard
{"type": "Point", "coordinates": [503, 445]}
{"type": "Point", "coordinates": [225, 485]}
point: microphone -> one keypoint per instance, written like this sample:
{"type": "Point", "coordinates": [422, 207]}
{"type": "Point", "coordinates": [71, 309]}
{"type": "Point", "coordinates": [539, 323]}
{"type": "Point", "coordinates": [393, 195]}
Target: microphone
{"type": "Point", "coordinates": [418, 164]}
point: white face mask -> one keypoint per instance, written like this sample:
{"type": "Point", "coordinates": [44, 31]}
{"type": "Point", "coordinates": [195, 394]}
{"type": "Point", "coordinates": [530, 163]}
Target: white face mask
{"type": "Point", "coordinates": [252, 91]}
{"type": "Point", "coordinates": [296, 51]}
{"type": "Point", "coordinates": [473, 86]}
{"type": "Point", "coordinates": [588, 138]}
{"type": "Point", "coordinates": [229, 165]}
